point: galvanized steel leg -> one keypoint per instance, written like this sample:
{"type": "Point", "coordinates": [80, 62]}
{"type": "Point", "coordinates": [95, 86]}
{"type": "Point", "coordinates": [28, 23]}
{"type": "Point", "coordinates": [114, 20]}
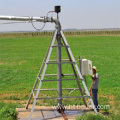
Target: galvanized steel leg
{"type": "Point", "coordinates": [40, 71]}
{"type": "Point", "coordinates": [59, 73]}
{"type": "Point", "coordinates": [75, 75]}
{"type": "Point", "coordinates": [44, 70]}
{"type": "Point", "coordinates": [69, 50]}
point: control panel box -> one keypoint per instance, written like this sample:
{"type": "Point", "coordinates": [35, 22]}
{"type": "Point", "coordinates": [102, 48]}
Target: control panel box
{"type": "Point", "coordinates": [86, 68]}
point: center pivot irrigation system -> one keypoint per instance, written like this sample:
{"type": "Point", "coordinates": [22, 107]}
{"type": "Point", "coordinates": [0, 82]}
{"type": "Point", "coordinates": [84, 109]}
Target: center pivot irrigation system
{"type": "Point", "coordinates": [61, 42]}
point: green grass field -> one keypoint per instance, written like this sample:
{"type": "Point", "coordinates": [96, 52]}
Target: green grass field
{"type": "Point", "coordinates": [21, 58]}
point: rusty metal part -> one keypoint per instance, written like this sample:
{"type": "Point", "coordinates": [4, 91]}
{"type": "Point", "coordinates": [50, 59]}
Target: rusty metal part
{"type": "Point", "coordinates": [61, 110]}
{"type": "Point", "coordinates": [64, 116]}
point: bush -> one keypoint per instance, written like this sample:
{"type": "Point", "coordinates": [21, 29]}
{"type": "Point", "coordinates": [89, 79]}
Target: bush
{"type": "Point", "coordinates": [7, 111]}
{"type": "Point", "coordinates": [92, 117]}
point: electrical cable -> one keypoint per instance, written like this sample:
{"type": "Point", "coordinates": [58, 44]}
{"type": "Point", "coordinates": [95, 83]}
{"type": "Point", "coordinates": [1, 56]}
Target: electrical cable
{"type": "Point", "coordinates": [50, 12]}
{"type": "Point", "coordinates": [44, 22]}
{"type": "Point", "coordinates": [37, 28]}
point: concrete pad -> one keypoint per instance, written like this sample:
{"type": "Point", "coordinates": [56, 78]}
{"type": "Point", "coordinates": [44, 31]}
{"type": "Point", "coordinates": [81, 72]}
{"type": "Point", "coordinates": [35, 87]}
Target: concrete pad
{"type": "Point", "coordinates": [48, 113]}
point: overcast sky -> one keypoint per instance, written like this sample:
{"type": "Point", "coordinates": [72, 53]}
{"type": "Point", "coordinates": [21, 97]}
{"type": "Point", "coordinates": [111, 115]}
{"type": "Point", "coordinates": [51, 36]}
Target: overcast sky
{"type": "Point", "coordinates": [79, 14]}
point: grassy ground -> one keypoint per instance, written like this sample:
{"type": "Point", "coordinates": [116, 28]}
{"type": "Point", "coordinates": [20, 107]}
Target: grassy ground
{"type": "Point", "coordinates": [21, 58]}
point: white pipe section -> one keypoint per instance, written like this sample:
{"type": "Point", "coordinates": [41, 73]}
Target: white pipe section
{"type": "Point", "coordinates": [26, 18]}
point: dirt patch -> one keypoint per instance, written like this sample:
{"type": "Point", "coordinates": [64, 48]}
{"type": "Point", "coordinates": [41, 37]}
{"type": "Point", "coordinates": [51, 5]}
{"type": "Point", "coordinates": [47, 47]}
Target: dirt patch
{"type": "Point", "coordinates": [22, 62]}
{"type": "Point", "coordinates": [1, 63]}
{"type": "Point", "coordinates": [111, 97]}
{"type": "Point", "coordinates": [112, 102]}
{"type": "Point", "coordinates": [3, 95]}
{"type": "Point", "coordinates": [13, 96]}
{"type": "Point", "coordinates": [10, 101]}
{"type": "Point", "coordinates": [15, 101]}
{"type": "Point", "coordinates": [108, 96]}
